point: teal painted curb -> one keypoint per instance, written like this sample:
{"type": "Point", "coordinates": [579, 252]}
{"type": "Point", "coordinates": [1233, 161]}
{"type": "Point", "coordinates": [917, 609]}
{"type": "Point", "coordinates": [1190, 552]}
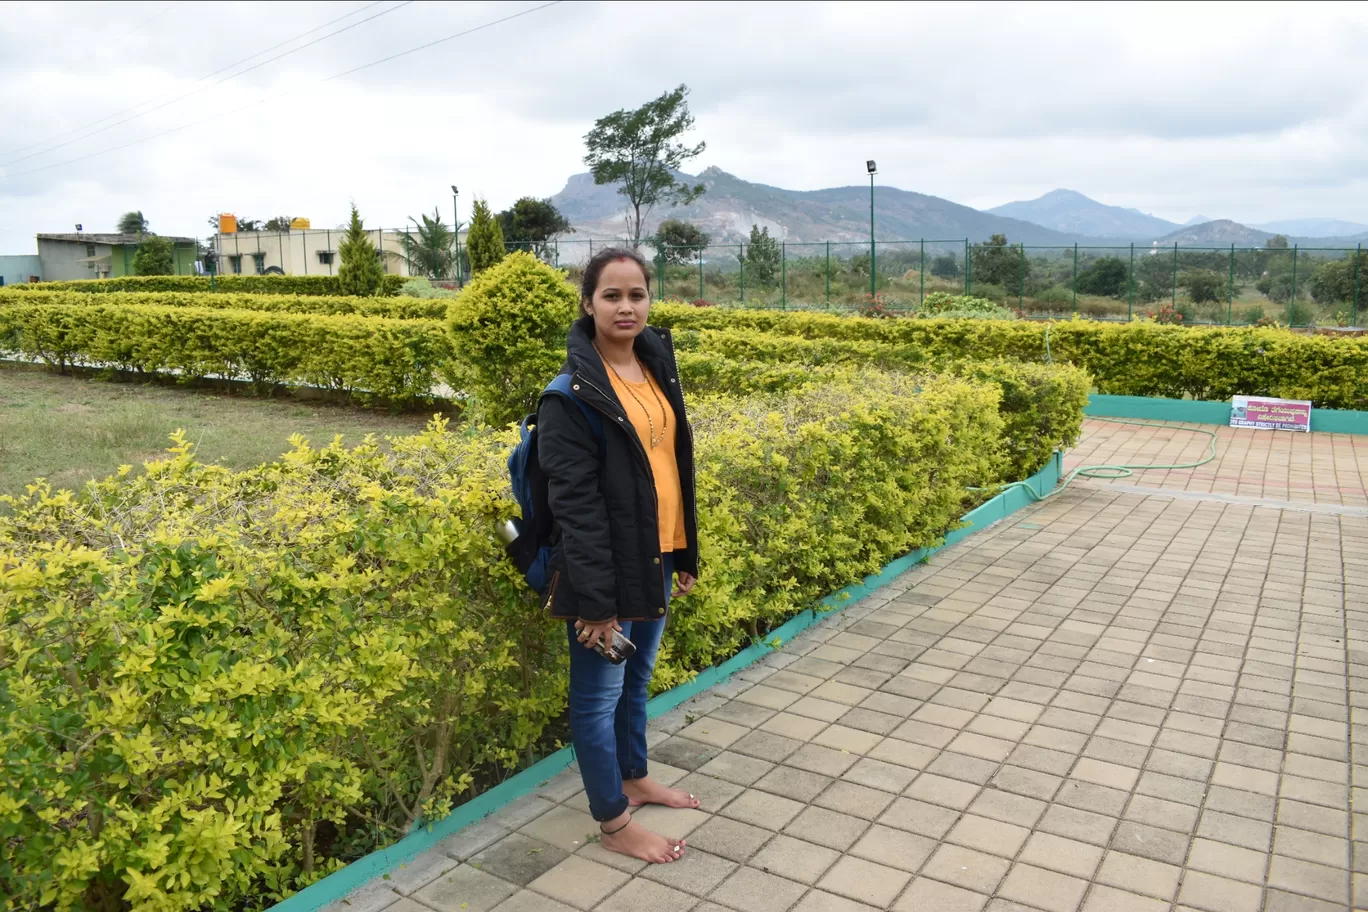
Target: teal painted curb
{"type": "Point", "coordinates": [377, 863]}
{"type": "Point", "coordinates": [1331, 421]}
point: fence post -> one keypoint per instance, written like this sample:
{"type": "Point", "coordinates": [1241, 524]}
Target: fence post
{"type": "Point", "coordinates": [1174, 305]}
{"type": "Point", "coordinates": [1130, 306]}
{"type": "Point", "coordinates": [1021, 275]}
{"type": "Point", "coordinates": [700, 273]}
{"type": "Point", "coordinates": [328, 241]}
{"type": "Point", "coordinates": [783, 275]}
{"type": "Point", "coordinates": [741, 259]}
{"type": "Point", "coordinates": [1358, 262]}
{"type": "Point", "coordinates": [304, 245]}
{"type": "Point", "coordinates": [555, 252]}
{"type": "Point", "coordinates": [1230, 295]}
{"type": "Point", "coordinates": [280, 250]}
{"type": "Point", "coordinates": [968, 270]}
{"type": "Point", "coordinates": [660, 269]}
{"type": "Point", "coordinates": [922, 301]}
{"type": "Point", "coordinates": [1075, 280]}
{"type": "Point", "coordinates": [828, 275]}
{"type": "Point", "coordinates": [1292, 301]}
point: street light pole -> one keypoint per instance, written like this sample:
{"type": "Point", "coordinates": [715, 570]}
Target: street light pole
{"type": "Point", "coordinates": [456, 230]}
{"type": "Point", "coordinates": [872, 171]}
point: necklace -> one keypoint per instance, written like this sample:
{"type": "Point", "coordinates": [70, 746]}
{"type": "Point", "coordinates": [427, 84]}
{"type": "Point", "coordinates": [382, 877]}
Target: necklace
{"type": "Point", "coordinates": [664, 412]}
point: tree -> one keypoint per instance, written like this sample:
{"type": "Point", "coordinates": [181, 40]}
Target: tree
{"type": "Point", "coordinates": [674, 238]}
{"type": "Point", "coordinates": [996, 263]}
{"type": "Point", "coordinates": [154, 256]}
{"type": "Point", "coordinates": [1203, 285]}
{"type": "Point", "coordinates": [1108, 276]}
{"type": "Point", "coordinates": [134, 223]}
{"type": "Point", "coordinates": [360, 273]}
{"type": "Point", "coordinates": [279, 223]}
{"type": "Point", "coordinates": [945, 266]}
{"type": "Point", "coordinates": [1276, 242]}
{"type": "Point", "coordinates": [484, 241]}
{"type": "Point", "coordinates": [433, 252]}
{"type": "Point", "coordinates": [533, 223]}
{"type": "Point", "coordinates": [762, 256]}
{"type": "Point", "coordinates": [1334, 282]}
{"type": "Point", "coordinates": [639, 150]}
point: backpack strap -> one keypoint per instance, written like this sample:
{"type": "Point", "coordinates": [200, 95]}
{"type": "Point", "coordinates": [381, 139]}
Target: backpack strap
{"type": "Point", "coordinates": [562, 386]}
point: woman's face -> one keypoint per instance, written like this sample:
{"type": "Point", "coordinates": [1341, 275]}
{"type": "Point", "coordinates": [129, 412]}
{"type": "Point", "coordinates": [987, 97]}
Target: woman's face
{"type": "Point", "coordinates": [621, 302]}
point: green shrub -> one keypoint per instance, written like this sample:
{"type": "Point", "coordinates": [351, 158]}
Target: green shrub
{"type": "Point", "coordinates": [509, 329]}
{"type": "Point", "coordinates": [1131, 359]}
{"type": "Point", "coordinates": [155, 256]}
{"type": "Point", "coordinates": [484, 240]}
{"type": "Point", "coordinates": [226, 284]}
{"type": "Point", "coordinates": [940, 302]}
{"type": "Point", "coordinates": [398, 308]}
{"type": "Point", "coordinates": [207, 672]}
{"type": "Point", "coordinates": [367, 358]}
{"type": "Point", "coordinates": [360, 272]}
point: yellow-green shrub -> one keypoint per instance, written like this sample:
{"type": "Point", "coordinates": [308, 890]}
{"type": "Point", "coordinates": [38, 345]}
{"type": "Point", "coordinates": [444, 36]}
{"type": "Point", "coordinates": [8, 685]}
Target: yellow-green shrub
{"type": "Point", "coordinates": [398, 308]}
{"type": "Point", "coordinates": [508, 329]}
{"type": "Point", "coordinates": [226, 284]}
{"type": "Point", "coordinates": [1135, 359]}
{"type": "Point", "coordinates": [204, 671]}
{"type": "Point", "coordinates": [366, 357]}
{"type": "Point", "coordinates": [1041, 406]}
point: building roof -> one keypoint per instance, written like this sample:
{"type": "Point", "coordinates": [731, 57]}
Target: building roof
{"type": "Point", "coordinates": [113, 240]}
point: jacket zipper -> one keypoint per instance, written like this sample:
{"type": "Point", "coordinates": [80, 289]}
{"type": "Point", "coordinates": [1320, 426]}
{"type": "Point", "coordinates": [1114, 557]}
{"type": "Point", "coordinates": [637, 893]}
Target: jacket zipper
{"type": "Point", "coordinates": [645, 460]}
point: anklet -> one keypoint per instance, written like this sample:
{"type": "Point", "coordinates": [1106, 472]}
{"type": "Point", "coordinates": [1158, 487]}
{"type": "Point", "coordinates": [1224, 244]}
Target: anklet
{"type": "Point", "coordinates": [618, 830]}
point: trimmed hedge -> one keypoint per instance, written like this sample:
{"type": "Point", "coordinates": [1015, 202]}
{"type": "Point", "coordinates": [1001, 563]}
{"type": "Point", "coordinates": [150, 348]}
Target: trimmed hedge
{"type": "Point", "coordinates": [398, 308]}
{"type": "Point", "coordinates": [368, 358]}
{"type": "Point", "coordinates": [1134, 359]}
{"type": "Point", "coordinates": [1041, 406]}
{"type": "Point", "coordinates": [214, 685]}
{"type": "Point", "coordinates": [226, 284]}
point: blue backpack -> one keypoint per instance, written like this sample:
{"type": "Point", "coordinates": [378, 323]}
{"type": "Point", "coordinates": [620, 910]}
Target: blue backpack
{"type": "Point", "coordinates": [530, 550]}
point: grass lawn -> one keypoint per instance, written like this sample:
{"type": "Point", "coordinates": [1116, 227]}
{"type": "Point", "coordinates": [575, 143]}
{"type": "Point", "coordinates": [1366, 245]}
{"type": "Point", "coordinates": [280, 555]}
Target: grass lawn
{"type": "Point", "coordinates": [70, 430]}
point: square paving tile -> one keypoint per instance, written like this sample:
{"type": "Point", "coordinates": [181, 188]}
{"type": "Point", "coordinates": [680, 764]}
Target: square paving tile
{"type": "Point", "coordinates": [827, 828]}
{"type": "Point", "coordinates": [563, 827]}
{"type": "Point", "coordinates": [865, 881]}
{"type": "Point", "coordinates": [731, 839]}
{"type": "Point", "coordinates": [525, 901]}
{"type": "Point", "coordinates": [765, 745]}
{"type": "Point", "coordinates": [714, 731]}
{"type": "Point", "coordinates": [1068, 856]}
{"type": "Point", "coordinates": [851, 740]}
{"type": "Point", "coordinates": [918, 817]}
{"type": "Point", "coordinates": [712, 793]}
{"type": "Point", "coordinates": [749, 890]}
{"type": "Point", "coordinates": [1206, 891]}
{"type": "Point", "coordinates": [966, 868]}
{"type": "Point", "coordinates": [1139, 875]}
{"type": "Point", "coordinates": [518, 859]}
{"type": "Point", "coordinates": [465, 889]}
{"type": "Point", "coordinates": [894, 848]}
{"type": "Point", "coordinates": [792, 725]}
{"type": "Point", "coordinates": [762, 809]}
{"type": "Point", "coordinates": [1043, 889]}
{"type": "Point", "coordinates": [579, 882]}
{"type": "Point", "coordinates": [925, 895]}
{"type": "Point", "coordinates": [696, 872]}
{"type": "Point", "coordinates": [940, 790]}
{"type": "Point", "coordinates": [795, 859]}
{"type": "Point", "coordinates": [879, 774]}
{"type": "Point", "coordinates": [645, 894]}
{"type": "Point", "coordinates": [824, 761]}
{"type": "Point", "coordinates": [735, 768]}
{"type": "Point", "coordinates": [991, 836]}
{"type": "Point", "coordinates": [856, 800]}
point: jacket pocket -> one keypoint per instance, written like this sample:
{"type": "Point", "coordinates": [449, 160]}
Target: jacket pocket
{"type": "Point", "coordinates": [548, 603]}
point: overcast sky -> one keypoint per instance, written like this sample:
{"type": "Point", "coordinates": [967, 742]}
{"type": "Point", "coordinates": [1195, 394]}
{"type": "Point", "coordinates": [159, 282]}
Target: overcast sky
{"type": "Point", "coordinates": [1248, 111]}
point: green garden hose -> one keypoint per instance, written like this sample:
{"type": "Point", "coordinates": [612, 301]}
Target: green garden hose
{"type": "Point", "coordinates": [1124, 470]}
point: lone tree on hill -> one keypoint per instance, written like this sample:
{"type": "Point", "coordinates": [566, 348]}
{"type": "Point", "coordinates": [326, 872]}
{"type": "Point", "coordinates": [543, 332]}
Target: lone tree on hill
{"type": "Point", "coordinates": [360, 273]}
{"type": "Point", "coordinates": [133, 223]}
{"type": "Point", "coordinates": [639, 150]}
{"type": "Point", "coordinates": [484, 241]}
{"type": "Point", "coordinates": [533, 223]}
{"type": "Point", "coordinates": [679, 241]}
{"type": "Point", "coordinates": [154, 256]}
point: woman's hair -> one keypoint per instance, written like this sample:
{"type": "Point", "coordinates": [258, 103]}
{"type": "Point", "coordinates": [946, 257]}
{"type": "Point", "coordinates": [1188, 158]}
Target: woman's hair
{"type": "Point", "coordinates": [594, 268]}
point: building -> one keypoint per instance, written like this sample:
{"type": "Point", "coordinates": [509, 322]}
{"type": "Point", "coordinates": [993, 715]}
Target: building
{"type": "Point", "coordinates": [18, 269]}
{"type": "Point", "coordinates": [308, 251]}
{"type": "Point", "coordinates": [63, 257]}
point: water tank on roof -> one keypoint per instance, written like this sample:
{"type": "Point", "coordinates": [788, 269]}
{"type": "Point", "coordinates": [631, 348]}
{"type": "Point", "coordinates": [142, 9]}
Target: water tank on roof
{"type": "Point", "coordinates": [227, 224]}
{"type": "Point", "coordinates": [297, 224]}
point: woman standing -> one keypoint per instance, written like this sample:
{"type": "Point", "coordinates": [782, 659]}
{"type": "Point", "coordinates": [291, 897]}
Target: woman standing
{"type": "Point", "coordinates": [625, 526]}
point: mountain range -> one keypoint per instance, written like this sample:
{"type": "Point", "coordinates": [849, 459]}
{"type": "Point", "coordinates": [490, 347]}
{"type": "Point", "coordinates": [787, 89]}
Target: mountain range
{"type": "Point", "coordinates": [730, 206]}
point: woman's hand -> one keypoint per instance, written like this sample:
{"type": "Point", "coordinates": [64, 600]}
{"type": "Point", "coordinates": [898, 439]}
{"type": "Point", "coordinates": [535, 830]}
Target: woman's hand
{"type": "Point", "coordinates": [684, 583]}
{"type": "Point", "coordinates": [591, 632]}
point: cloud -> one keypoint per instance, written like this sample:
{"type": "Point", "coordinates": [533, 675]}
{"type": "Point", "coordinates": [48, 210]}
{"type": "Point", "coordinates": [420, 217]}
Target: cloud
{"type": "Point", "coordinates": [1170, 108]}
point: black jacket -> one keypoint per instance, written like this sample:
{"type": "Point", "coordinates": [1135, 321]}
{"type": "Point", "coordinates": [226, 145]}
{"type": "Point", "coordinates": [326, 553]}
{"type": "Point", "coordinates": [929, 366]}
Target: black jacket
{"type": "Point", "coordinates": [606, 558]}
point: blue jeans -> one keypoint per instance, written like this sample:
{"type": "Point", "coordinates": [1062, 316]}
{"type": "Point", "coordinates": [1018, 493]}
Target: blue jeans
{"type": "Point", "coordinates": [608, 711]}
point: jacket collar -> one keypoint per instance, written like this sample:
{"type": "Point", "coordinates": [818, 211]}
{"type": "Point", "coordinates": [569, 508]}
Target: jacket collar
{"type": "Point", "coordinates": [651, 347]}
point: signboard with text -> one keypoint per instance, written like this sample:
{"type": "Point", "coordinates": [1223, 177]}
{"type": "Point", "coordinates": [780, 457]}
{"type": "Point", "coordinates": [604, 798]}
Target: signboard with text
{"type": "Point", "coordinates": [1273, 414]}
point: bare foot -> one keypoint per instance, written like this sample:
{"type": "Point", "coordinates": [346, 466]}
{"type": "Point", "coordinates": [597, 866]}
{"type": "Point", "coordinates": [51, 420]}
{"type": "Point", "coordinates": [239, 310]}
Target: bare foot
{"type": "Point", "coordinates": [635, 841]}
{"type": "Point", "coordinates": [647, 791]}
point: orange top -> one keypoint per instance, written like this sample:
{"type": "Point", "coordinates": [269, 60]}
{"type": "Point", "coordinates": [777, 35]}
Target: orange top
{"type": "Point", "coordinates": [641, 400]}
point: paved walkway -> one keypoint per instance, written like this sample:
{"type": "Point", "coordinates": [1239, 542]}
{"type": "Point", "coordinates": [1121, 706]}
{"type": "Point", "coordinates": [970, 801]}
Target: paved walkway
{"type": "Point", "coordinates": [1111, 702]}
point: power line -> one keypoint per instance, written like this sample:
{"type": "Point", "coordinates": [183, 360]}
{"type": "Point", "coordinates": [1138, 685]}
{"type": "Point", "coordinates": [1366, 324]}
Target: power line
{"type": "Point", "coordinates": [259, 101]}
{"type": "Point", "coordinates": [95, 123]}
{"type": "Point", "coordinates": [212, 84]}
